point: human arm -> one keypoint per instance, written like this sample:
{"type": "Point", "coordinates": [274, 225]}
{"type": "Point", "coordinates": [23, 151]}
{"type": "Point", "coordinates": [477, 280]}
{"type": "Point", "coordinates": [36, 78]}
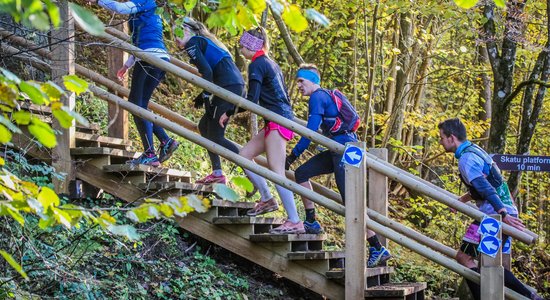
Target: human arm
{"type": "Point", "coordinates": [195, 48]}
{"type": "Point", "coordinates": [127, 65]}
{"type": "Point", "coordinates": [253, 95]}
{"type": "Point", "coordinates": [124, 8]}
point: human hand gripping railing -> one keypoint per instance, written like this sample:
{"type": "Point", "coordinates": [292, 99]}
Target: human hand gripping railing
{"type": "Point", "coordinates": [373, 162]}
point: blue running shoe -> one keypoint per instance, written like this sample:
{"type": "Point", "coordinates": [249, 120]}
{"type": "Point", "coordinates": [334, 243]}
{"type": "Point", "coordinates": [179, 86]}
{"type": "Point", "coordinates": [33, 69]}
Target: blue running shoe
{"type": "Point", "coordinates": [377, 257]}
{"type": "Point", "coordinates": [145, 159]}
{"type": "Point", "coordinates": [167, 150]}
{"type": "Point", "coordinates": [313, 227]}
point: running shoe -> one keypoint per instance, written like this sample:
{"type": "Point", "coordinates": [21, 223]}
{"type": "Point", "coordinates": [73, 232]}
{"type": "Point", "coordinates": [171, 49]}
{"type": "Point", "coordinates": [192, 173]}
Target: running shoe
{"type": "Point", "coordinates": [145, 159]}
{"type": "Point", "coordinates": [289, 228]}
{"type": "Point", "coordinates": [377, 257]}
{"type": "Point", "coordinates": [167, 149]}
{"type": "Point", "coordinates": [211, 179]}
{"type": "Point", "coordinates": [263, 207]}
{"type": "Point", "coordinates": [313, 227]}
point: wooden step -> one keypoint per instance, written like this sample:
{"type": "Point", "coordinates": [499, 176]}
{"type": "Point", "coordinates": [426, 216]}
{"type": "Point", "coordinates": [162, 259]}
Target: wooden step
{"type": "Point", "coordinates": [322, 254]}
{"type": "Point", "coordinates": [375, 276]}
{"type": "Point", "coordinates": [137, 174]}
{"type": "Point", "coordinates": [247, 220]}
{"type": "Point", "coordinates": [95, 140]}
{"type": "Point", "coordinates": [405, 290]}
{"type": "Point", "coordinates": [103, 156]}
{"type": "Point", "coordinates": [46, 117]}
{"type": "Point", "coordinates": [229, 204]}
{"type": "Point", "coordinates": [176, 186]}
{"type": "Point", "coordinates": [268, 237]}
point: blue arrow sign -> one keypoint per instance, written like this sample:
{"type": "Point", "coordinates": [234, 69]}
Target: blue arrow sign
{"type": "Point", "coordinates": [352, 156]}
{"type": "Point", "coordinates": [489, 245]}
{"type": "Point", "coordinates": [507, 245]}
{"type": "Point", "coordinates": [489, 226]}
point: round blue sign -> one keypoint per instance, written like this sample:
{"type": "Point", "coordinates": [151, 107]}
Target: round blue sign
{"type": "Point", "coordinates": [489, 245]}
{"type": "Point", "coordinates": [489, 226]}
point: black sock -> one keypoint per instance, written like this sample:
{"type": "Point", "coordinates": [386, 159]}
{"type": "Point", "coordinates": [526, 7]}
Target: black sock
{"type": "Point", "coordinates": [374, 242]}
{"type": "Point", "coordinates": [310, 215]}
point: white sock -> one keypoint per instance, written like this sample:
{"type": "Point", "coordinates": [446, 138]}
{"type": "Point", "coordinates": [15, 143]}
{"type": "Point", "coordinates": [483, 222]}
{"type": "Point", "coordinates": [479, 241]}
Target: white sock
{"type": "Point", "coordinates": [287, 197]}
{"type": "Point", "coordinates": [260, 183]}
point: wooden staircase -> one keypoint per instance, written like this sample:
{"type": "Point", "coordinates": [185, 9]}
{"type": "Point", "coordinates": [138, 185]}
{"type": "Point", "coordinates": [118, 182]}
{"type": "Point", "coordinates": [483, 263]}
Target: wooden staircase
{"type": "Point", "coordinates": [100, 163]}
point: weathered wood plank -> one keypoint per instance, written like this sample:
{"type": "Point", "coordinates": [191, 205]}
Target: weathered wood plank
{"type": "Point", "coordinates": [131, 168]}
{"type": "Point", "coordinates": [247, 220]}
{"type": "Point", "coordinates": [395, 289]}
{"type": "Point", "coordinates": [84, 138]}
{"type": "Point", "coordinates": [267, 237]}
{"type": "Point", "coordinates": [81, 151]}
{"type": "Point", "coordinates": [304, 255]}
{"type": "Point", "coordinates": [340, 273]}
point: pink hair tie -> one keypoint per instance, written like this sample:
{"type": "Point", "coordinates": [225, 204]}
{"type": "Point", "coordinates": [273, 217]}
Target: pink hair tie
{"type": "Point", "coordinates": [251, 42]}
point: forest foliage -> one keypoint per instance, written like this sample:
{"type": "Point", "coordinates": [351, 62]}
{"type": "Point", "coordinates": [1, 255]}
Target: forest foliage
{"type": "Point", "coordinates": [406, 65]}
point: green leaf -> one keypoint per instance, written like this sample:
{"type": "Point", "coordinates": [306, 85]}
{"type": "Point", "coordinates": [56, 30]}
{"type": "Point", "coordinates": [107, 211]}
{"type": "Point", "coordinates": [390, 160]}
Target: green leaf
{"type": "Point", "coordinates": [500, 3]}
{"type": "Point", "coordinates": [14, 264]}
{"type": "Point", "coordinates": [13, 212]}
{"type": "Point", "coordinates": [40, 21]}
{"type": "Point", "coordinates": [65, 119]}
{"type": "Point", "coordinates": [243, 183]}
{"type": "Point", "coordinates": [5, 135]}
{"type": "Point", "coordinates": [62, 217]}
{"type": "Point", "coordinates": [124, 230]}
{"type": "Point", "coordinates": [33, 92]}
{"type": "Point", "coordinates": [317, 17]}
{"type": "Point", "coordinates": [294, 18]}
{"type": "Point", "coordinates": [257, 6]}
{"type": "Point", "coordinates": [74, 84]}
{"type": "Point", "coordinates": [225, 192]}
{"type": "Point", "coordinates": [53, 91]}
{"type": "Point", "coordinates": [47, 197]}
{"type": "Point", "coordinates": [53, 11]}
{"type": "Point", "coordinates": [78, 117]}
{"type": "Point", "coordinates": [43, 133]}
{"type": "Point", "coordinates": [87, 20]}
{"type": "Point", "coordinates": [10, 76]}
{"type": "Point", "coordinates": [466, 4]}
{"type": "Point", "coordinates": [189, 4]}
{"type": "Point", "coordinates": [21, 117]}
{"type": "Point", "coordinates": [9, 124]}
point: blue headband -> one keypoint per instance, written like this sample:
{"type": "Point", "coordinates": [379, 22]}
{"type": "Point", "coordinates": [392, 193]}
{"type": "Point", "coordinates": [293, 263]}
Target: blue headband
{"type": "Point", "coordinates": [308, 75]}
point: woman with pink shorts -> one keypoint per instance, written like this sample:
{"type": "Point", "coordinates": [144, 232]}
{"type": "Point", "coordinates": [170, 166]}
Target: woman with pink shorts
{"type": "Point", "coordinates": [266, 86]}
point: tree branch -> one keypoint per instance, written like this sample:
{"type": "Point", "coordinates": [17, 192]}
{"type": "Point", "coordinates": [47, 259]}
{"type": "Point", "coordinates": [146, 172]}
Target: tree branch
{"type": "Point", "coordinates": [286, 38]}
{"type": "Point", "coordinates": [524, 84]}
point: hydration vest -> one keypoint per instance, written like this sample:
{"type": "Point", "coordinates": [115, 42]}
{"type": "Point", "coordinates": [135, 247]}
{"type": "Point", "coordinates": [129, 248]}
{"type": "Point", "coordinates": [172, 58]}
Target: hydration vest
{"type": "Point", "coordinates": [346, 121]}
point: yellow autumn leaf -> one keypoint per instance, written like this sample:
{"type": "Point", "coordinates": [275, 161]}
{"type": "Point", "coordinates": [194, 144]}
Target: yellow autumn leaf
{"type": "Point", "coordinates": [294, 18]}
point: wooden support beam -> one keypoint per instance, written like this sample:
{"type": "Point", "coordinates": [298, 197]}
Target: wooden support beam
{"type": "Point", "coordinates": [63, 64]}
{"type": "Point", "coordinates": [118, 118]}
{"type": "Point", "coordinates": [356, 208]}
{"type": "Point", "coordinates": [378, 188]}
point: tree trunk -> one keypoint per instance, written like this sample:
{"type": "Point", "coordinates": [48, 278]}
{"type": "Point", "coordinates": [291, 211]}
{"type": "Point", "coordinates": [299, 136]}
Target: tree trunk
{"type": "Point", "coordinates": [287, 38]}
{"type": "Point", "coordinates": [484, 86]}
{"type": "Point", "coordinates": [503, 69]}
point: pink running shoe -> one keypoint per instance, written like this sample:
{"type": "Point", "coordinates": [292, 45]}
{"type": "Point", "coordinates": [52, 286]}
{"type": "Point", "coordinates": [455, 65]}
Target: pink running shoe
{"type": "Point", "coordinates": [211, 179]}
{"type": "Point", "coordinates": [263, 207]}
{"type": "Point", "coordinates": [289, 228]}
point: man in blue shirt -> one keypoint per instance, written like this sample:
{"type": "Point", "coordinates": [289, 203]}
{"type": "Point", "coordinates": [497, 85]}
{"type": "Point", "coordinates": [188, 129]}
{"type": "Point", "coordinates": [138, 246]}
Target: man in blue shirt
{"type": "Point", "coordinates": [323, 113]}
{"type": "Point", "coordinates": [484, 181]}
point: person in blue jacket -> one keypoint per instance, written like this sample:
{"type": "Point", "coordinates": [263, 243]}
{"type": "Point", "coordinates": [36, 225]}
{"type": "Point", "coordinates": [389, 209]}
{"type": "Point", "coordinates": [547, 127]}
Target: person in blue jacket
{"type": "Point", "coordinates": [267, 87]}
{"type": "Point", "coordinates": [146, 28]}
{"type": "Point", "coordinates": [485, 184]}
{"type": "Point", "coordinates": [322, 114]}
{"type": "Point", "coordinates": [216, 65]}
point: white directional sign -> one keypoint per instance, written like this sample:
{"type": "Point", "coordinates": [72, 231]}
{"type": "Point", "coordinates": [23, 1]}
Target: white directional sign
{"type": "Point", "coordinates": [489, 226]}
{"type": "Point", "coordinates": [352, 156]}
{"type": "Point", "coordinates": [507, 246]}
{"type": "Point", "coordinates": [489, 245]}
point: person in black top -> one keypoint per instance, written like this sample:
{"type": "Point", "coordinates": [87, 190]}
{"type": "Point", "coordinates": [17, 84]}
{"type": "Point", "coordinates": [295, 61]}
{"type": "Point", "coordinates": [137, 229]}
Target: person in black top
{"type": "Point", "coordinates": [216, 65]}
{"type": "Point", "coordinates": [266, 86]}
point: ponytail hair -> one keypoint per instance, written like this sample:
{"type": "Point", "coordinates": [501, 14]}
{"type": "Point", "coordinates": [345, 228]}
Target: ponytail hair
{"type": "Point", "coordinates": [261, 33]}
{"type": "Point", "coordinates": [199, 29]}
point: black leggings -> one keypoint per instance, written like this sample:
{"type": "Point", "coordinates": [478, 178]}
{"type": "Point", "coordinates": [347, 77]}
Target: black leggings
{"type": "Point", "coordinates": [210, 128]}
{"type": "Point", "coordinates": [324, 163]}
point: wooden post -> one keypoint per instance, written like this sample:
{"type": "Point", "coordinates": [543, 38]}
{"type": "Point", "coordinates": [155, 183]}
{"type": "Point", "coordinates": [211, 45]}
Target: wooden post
{"type": "Point", "coordinates": [492, 273]}
{"type": "Point", "coordinates": [356, 229]}
{"type": "Point", "coordinates": [378, 189]}
{"type": "Point", "coordinates": [63, 64]}
{"type": "Point", "coordinates": [118, 118]}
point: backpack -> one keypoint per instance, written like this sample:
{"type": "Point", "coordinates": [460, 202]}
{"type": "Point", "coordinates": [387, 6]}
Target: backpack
{"type": "Point", "coordinates": [347, 120]}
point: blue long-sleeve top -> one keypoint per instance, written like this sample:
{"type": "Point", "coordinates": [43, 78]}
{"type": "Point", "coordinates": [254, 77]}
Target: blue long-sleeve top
{"type": "Point", "coordinates": [320, 107]}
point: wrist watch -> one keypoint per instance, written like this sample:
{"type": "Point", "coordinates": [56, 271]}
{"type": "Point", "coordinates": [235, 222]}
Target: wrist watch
{"type": "Point", "coordinates": [503, 214]}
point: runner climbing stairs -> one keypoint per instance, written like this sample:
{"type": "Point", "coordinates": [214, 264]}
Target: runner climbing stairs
{"type": "Point", "coordinates": [302, 258]}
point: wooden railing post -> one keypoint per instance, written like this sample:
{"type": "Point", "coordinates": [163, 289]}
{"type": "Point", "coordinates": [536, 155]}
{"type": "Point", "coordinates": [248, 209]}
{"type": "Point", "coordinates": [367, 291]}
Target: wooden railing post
{"type": "Point", "coordinates": [356, 207]}
{"type": "Point", "coordinates": [118, 118]}
{"type": "Point", "coordinates": [378, 189]}
{"type": "Point", "coordinates": [63, 64]}
{"type": "Point", "coordinates": [492, 272]}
